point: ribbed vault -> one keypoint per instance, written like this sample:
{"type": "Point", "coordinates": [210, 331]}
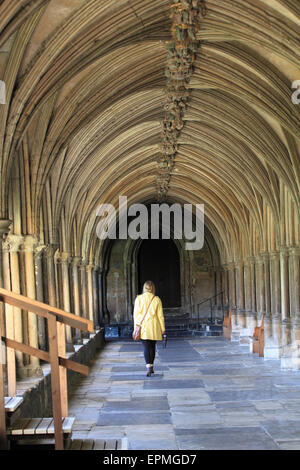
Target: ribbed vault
{"type": "Point", "coordinates": [86, 85]}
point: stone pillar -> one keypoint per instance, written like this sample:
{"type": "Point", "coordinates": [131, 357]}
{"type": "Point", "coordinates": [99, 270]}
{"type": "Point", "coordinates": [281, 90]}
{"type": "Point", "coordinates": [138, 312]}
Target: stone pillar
{"type": "Point", "coordinates": [76, 260]}
{"type": "Point", "coordinates": [260, 288]}
{"type": "Point", "coordinates": [83, 289]}
{"type": "Point", "coordinates": [11, 277]}
{"type": "Point", "coordinates": [106, 314]}
{"type": "Point", "coordinates": [268, 314]}
{"type": "Point", "coordinates": [250, 320]}
{"type": "Point", "coordinates": [253, 289]}
{"type": "Point", "coordinates": [96, 297]}
{"type": "Point", "coordinates": [225, 287]}
{"type": "Point", "coordinates": [65, 279]}
{"type": "Point", "coordinates": [39, 287]}
{"type": "Point", "coordinates": [241, 318]}
{"type": "Point", "coordinates": [291, 357]}
{"type": "Point", "coordinates": [50, 252]}
{"type": "Point", "coordinates": [273, 341]}
{"type": "Point", "coordinates": [4, 229]}
{"type": "Point", "coordinates": [285, 300]}
{"type": "Point", "coordinates": [294, 294]}
{"type": "Point", "coordinates": [28, 249]}
{"type": "Point", "coordinates": [101, 303]}
{"type": "Point", "coordinates": [89, 273]}
{"type": "Point", "coordinates": [235, 335]}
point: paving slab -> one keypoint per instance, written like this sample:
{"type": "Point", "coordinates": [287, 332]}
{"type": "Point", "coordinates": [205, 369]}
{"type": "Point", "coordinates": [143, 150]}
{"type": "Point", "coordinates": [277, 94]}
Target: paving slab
{"type": "Point", "coordinates": [207, 394]}
{"type": "Point", "coordinates": [225, 438]}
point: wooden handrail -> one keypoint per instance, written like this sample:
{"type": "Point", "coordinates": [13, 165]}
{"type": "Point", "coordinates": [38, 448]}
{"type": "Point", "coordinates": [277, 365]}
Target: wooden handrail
{"type": "Point", "coordinates": [41, 309]}
{"type": "Point", "coordinates": [56, 318]}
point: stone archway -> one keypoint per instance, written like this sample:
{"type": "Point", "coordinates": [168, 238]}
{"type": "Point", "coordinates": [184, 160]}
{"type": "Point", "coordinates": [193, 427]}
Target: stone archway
{"type": "Point", "coordinates": [159, 261]}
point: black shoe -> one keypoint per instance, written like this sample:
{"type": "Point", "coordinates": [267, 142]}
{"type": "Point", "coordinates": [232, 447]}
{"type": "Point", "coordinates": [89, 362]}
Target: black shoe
{"type": "Point", "coordinates": [148, 373]}
{"type": "Point", "coordinates": [151, 370]}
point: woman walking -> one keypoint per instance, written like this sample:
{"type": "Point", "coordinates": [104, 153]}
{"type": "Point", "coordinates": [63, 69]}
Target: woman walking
{"type": "Point", "coordinates": [153, 325]}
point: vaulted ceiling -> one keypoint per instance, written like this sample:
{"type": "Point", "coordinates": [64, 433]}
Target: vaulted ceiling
{"type": "Point", "coordinates": [85, 82]}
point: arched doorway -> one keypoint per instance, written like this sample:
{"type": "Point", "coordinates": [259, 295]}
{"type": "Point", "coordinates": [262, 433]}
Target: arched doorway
{"type": "Point", "coordinates": [159, 261]}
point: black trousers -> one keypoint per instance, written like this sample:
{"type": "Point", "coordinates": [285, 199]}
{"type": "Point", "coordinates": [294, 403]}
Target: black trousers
{"type": "Point", "coordinates": [149, 350]}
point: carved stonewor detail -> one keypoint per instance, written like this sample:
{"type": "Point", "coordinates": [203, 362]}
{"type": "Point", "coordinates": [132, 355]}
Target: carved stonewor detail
{"type": "Point", "coordinates": [181, 55]}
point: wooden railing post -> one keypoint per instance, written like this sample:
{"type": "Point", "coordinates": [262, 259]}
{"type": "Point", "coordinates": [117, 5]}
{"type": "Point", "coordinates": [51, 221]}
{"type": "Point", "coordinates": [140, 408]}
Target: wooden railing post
{"type": "Point", "coordinates": [61, 338]}
{"type": "Point", "coordinates": [55, 382]}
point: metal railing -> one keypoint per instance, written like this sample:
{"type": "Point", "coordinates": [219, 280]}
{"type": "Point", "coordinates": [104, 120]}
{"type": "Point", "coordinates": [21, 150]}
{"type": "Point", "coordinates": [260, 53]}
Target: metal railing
{"type": "Point", "coordinates": [211, 308]}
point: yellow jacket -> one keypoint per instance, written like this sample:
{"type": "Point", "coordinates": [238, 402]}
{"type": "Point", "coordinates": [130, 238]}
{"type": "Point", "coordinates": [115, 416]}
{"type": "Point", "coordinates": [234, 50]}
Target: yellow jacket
{"type": "Point", "coordinates": [154, 322]}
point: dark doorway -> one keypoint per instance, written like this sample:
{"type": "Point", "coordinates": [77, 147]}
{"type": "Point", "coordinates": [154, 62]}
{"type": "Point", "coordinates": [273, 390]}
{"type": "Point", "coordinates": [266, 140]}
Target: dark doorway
{"type": "Point", "coordinates": [158, 261]}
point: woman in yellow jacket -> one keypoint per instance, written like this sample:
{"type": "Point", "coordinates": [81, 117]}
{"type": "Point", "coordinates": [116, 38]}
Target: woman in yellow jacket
{"type": "Point", "coordinates": [153, 326]}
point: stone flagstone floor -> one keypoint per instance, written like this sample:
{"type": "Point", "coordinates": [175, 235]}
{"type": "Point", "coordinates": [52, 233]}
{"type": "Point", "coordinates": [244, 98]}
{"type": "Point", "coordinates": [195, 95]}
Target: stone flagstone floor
{"type": "Point", "coordinates": [206, 393]}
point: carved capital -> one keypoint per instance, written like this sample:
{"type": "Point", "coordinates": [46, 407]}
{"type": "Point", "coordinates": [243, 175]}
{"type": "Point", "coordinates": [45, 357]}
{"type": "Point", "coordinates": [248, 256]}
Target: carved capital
{"type": "Point", "coordinates": [13, 243]}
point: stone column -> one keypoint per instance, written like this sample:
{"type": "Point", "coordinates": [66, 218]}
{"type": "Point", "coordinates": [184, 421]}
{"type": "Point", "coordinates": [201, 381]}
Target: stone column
{"type": "Point", "coordinates": [260, 288]}
{"type": "Point", "coordinates": [241, 318]}
{"type": "Point", "coordinates": [273, 342]}
{"type": "Point", "coordinates": [96, 296]}
{"type": "Point", "coordinates": [218, 299]}
{"type": "Point", "coordinates": [294, 293]}
{"type": "Point", "coordinates": [64, 262]}
{"type": "Point", "coordinates": [76, 260]}
{"type": "Point", "coordinates": [291, 356]}
{"type": "Point", "coordinates": [285, 300]}
{"type": "Point", "coordinates": [89, 272]}
{"type": "Point", "coordinates": [101, 303]}
{"type": "Point", "coordinates": [28, 249]}
{"type": "Point", "coordinates": [235, 336]}
{"type": "Point", "coordinates": [268, 314]}
{"type": "Point", "coordinates": [39, 287]}
{"type": "Point", "coordinates": [225, 287]}
{"type": "Point", "coordinates": [253, 289]}
{"type": "Point", "coordinates": [250, 320]}
{"type": "Point", "coordinates": [4, 229]}
{"type": "Point", "coordinates": [106, 314]}
{"type": "Point", "coordinates": [11, 272]}
{"type": "Point", "coordinates": [83, 289]}
{"type": "Point", "coordinates": [50, 252]}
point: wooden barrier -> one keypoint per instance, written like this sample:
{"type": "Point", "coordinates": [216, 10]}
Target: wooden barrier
{"type": "Point", "coordinates": [56, 318]}
{"type": "Point", "coordinates": [258, 339]}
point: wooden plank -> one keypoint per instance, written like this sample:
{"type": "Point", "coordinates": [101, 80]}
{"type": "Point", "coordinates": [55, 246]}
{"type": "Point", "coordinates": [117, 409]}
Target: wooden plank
{"type": "Point", "coordinates": [13, 404]}
{"type": "Point", "coordinates": [68, 424]}
{"type": "Point", "coordinates": [99, 444]}
{"type": "Point", "coordinates": [17, 428]}
{"type": "Point", "coordinates": [44, 356]}
{"type": "Point", "coordinates": [41, 309]}
{"type": "Point", "coordinates": [55, 383]}
{"type": "Point", "coordinates": [75, 366]}
{"type": "Point", "coordinates": [44, 425]}
{"type": "Point", "coordinates": [87, 444]}
{"type": "Point", "coordinates": [31, 426]}
{"type": "Point", "coordinates": [111, 444]}
{"type": "Point", "coordinates": [7, 400]}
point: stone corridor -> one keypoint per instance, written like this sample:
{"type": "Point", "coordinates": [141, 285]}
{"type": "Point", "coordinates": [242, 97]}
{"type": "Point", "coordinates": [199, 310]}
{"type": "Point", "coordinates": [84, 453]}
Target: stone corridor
{"type": "Point", "coordinates": [206, 393]}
